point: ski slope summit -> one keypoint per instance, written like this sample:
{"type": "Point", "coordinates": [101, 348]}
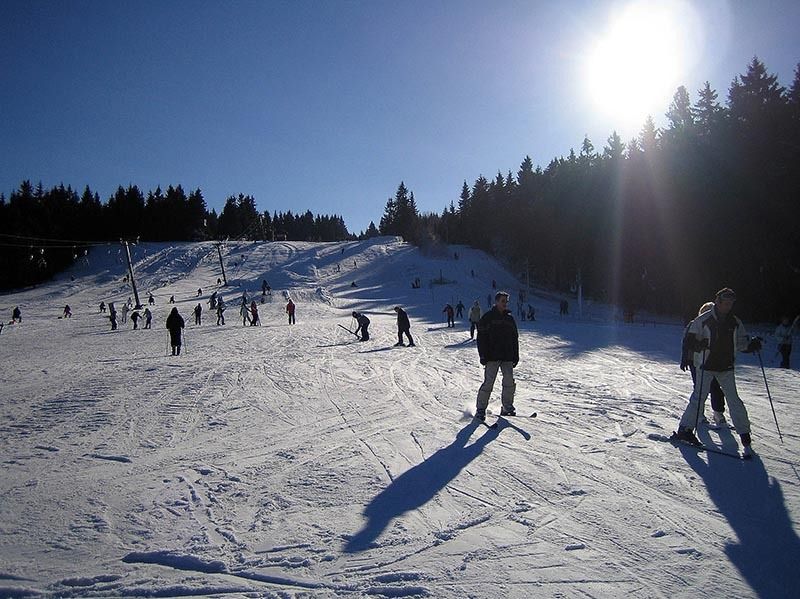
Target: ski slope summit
{"type": "Point", "coordinates": [295, 461]}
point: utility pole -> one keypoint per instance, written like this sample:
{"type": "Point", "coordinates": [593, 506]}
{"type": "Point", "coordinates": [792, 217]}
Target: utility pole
{"type": "Point", "coordinates": [130, 272]}
{"type": "Point", "coordinates": [221, 265]}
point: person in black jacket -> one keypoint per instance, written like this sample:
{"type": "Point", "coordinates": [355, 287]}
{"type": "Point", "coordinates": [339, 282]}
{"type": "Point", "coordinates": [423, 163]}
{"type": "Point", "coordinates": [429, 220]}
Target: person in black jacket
{"type": "Point", "coordinates": [498, 348]}
{"type": "Point", "coordinates": [363, 325]}
{"type": "Point", "coordinates": [175, 324]}
{"type": "Point", "coordinates": [403, 326]}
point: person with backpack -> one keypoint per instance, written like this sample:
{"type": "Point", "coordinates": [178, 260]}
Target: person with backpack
{"type": "Point", "coordinates": [692, 360]}
{"type": "Point", "coordinates": [498, 349]}
{"type": "Point", "coordinates": [403, 326]}
{"type": "Point", "coordinates": [718, 334]}
{"type": "Point", "coordinates": [175, 326]}
{"type": "Point", "coordinates": [363, 325]}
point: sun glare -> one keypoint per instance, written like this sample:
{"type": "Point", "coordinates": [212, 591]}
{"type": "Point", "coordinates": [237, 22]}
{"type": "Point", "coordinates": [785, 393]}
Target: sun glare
{"type": "Point", "coordinates": [634, 66]}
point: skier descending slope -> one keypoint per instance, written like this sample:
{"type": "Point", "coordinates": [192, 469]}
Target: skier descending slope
{"type": "Point", "coordinates": [717, 335]}
{"type": "Point", "coordinates": [498, 348]}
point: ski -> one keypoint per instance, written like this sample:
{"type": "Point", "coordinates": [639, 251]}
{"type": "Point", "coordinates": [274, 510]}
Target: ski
{"type": "Point", "coordinates": [517, 415]}
{"type": "Point", "coordinates": [700, 447]}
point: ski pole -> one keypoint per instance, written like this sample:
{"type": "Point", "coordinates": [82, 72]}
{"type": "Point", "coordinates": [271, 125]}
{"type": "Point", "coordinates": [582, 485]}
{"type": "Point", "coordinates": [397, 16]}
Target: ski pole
{"type": "Point", "coordinates": [185, 347]}
{"type": "Point", "coordinates": [699, 392]}
{"type": "Point", "coordinates": [764, 374]}
{"type": "Point", "coordinates": [166, 349]}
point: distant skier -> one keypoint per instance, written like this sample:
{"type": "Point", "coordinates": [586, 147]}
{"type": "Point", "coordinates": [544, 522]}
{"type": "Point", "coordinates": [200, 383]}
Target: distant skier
{"type": "Point", "coordinates": [783, 335]}
{"type": "Point", "coordinates": [563, 308]}
{"type": "Point", "coordinates": [494, 284]}
{"type": "Point", "coordinates": [254, 318]}
{"type": "Point", "coordinates": [67, 312]}
{"type": "Point", "coordinates": [219, 281]}
{"type": "Point", "coordinates": [244, 312]}
{"type": "Point", "coordinates": [459, 309]}
{"type": "Point", "coordinates": [448, 310]}
{"type": "Point", "coordinates": [693, 360]}
{"type": "Point", "coordinates": [718, 334]}
{"type": "Point", "coordinates": [531, 312]}
{"type": "Point", "coordinates": [171, 299]}
{"type": "Point", "coordinates": [498, 348]}
{"type": "Point", "coordinates": [403, 326]}
{"type": "Point", "coordinates": [148, 318]}
{"type": "Point", "coordinates": [212, 301]}
{"type": "Point", "coordinates": [199, 291]}
{"type": "Point", "coordinates": [112, 315]}
{"type": "Point", "coordinates": [16, 315]}
{"type": "Point", "coordinates": [135, 316]}
{"type": "Point", "coordinates": [151, 300]}
{"type": "Point", "coordinates": [363, 325]}
{"type": "Point", "coordinates": [124, 310]}
{"type": "Point", "coordinates": [264, 287]}
{"type": "Point", "coordinates": [198, 313]}
{"type": "Point", "coordinates": [174, 325]}
{"type": "Point", "coordinates": [290, 308]}
{"type": "Point", "coordinates": [220, 311]}
{"type": "Point", "coordinates": [474, 317]}
{"type": "Point", "coordinates": [102, 306]}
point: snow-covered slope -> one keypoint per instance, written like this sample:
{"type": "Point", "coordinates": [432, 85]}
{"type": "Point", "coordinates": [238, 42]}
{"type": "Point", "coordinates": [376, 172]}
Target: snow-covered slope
{"type": "Point", "coordinates": [294, 461]}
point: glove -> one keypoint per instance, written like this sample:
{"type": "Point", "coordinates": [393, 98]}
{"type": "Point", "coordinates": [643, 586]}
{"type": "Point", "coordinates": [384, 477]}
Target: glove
{"type": "Point", "coordinates": [684, 365]}
{"type": "Point", "coordinates": [754, 345]}
{"type": "Point", "coordinates": [483, 361]}
{"type": "Point", "coordinates": [701, 345]}
{"type": "Point", "coordinates": [514, 365]}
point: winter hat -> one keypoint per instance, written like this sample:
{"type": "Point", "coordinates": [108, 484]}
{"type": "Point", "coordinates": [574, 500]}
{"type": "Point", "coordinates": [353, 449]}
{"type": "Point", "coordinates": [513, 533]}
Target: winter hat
{"type": "Point", "coordinates": [725, 293]}
{"type": "Point", "coordinates": [500, 294]}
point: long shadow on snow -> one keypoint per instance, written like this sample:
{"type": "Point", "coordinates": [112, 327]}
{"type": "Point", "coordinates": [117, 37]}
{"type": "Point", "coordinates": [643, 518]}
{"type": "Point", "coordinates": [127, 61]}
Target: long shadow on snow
{"type": "Point", "coordinates": [415, 487]}
{"type": "Point", "coordinates": [768, 552]}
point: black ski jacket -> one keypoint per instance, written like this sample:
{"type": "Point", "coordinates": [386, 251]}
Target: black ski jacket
{"type": "Point", "coordinates": [175, 324]}
{"type": "Point", "coordinates": [402, 320]}
{"type": "Point", "coordinates": [498, 339]}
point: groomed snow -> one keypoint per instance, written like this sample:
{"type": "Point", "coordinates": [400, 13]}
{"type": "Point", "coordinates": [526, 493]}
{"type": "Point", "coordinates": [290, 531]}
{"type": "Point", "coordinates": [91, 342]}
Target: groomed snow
{"type": "Point", "coordinates": [294, 461]}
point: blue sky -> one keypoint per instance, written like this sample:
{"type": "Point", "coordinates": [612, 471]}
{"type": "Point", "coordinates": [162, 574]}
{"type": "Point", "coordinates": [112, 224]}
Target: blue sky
{"type": "Point", "coordinates": [327, 106]}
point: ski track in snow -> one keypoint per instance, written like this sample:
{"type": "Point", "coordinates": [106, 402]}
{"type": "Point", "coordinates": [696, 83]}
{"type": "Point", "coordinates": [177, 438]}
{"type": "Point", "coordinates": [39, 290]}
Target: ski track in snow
{"type": "Point", "coordinates": [294, 461]}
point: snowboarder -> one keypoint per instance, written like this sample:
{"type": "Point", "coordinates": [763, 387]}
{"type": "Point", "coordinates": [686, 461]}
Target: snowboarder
{"type": "Point", "coordinates": [691, 360]}
{"type": "Point", "coordinates": [363, 325]}
{"type": "Point", "coordinates": [174, 325]}
{"type": "Point", "coordinates": [112, 315]}
{"type": "Point", "coordinates": [254, 319]}
{"type": "Point", "coordinates": [102, 306]}
{"type": "Point", "coordinates": [783, 335]}
{"type": "Point", "coordinates": [148, 318]}
{"type": "Point", "coordinates": [448, 309]}
{"type": "Point", "coordinates": [403, 326]}
{"type": "Point", "coordinates": [244, 312]}
{"type": "Point", "coordinates": [67, 312]}
{"type": "Point", "coordinates": [16, 315]}
{"type": "Point", "coordinates": [498, 349]}
{"type": "Point", "coordinates": [151, 300]}
{"type": "Point", "coordinates": [459, 309]}
{"type": "Point", "coordinates": [290, 311]}
{"type": "Point", "coordinates": [474, 317]}
{"type": "Point", "coordinates": [198, 313]}
{"type": "Point", "coordinates": [717, 335]}
{"type": "Point", "coordinates": [135, 316]}
{"type": "Point", "coordinates": [220, 311]}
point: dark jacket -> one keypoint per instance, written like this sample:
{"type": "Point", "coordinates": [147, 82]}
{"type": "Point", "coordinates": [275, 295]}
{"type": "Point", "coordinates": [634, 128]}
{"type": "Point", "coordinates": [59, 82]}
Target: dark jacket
{"type": "Point", "coordinates": [402, 320]}
{"type": "Point", "coordinates": [724, 334]}
{"type": "Point", "coordinates": [498, 339]}
{"type": "Point", "coordinates": [175, 324]}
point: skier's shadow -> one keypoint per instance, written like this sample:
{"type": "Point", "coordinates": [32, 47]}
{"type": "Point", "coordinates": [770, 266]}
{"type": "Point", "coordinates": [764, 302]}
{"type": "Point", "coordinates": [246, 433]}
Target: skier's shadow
{"type": "Point", "coordinates": [767, 553]}
{"type": "Point", "coordinates": [415, 487]}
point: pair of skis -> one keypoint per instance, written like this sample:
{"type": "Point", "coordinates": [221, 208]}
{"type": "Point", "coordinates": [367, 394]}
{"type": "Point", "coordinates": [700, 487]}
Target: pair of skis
{"type": "Point", "coordinates": [674, 440]}
{"type": "Point", "coordinates": [500, 417]}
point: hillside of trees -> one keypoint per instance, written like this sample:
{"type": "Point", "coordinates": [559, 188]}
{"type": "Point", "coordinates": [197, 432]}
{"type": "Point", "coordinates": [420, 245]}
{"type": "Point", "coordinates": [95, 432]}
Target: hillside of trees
{"type": "Point", "coordinates": [44, 231]}
{"type": "Point", "coordinates": [657, 223]}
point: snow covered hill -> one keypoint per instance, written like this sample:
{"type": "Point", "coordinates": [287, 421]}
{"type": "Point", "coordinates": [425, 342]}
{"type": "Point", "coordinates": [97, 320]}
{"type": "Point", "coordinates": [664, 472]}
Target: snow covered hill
{"type": "Point", "coordinates": [294, 461]}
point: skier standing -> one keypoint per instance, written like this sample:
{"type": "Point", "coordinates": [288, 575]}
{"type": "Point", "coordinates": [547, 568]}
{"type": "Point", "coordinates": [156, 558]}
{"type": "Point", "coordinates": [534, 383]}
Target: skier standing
{"type": "Point", "coordinates": [150, 300]}
{"type": "Point", "coordinates": [67, 312]}
{"type": "Point", "coordinates": [290, 311]}
{"type": "Point", "coordinates": [198, 312]}
{"type": "Point", "coordinates": [220, 310]}
{"type": "Point", "coordinates": [692, 360]}
{"type": "Point", "coordinates": [102, 306]}
{"type": "Point", "coordinates": [448, 309]}
{"type": "Point", "coordinates": [125, 309]}
{"type": "Point", "coordinates": [403, 326]}
{"type": "Point", "coordinates": [254, 319]}
{"type": "Point", "coordinates": [244, 312]}
{"type": "Point", "coordinates": [363, 325]}
{"type": "Point", "coordinates": [783, 335]}
{"type": "Point", "coordinates": [459, 309]}
{"type": "Point", "coordinates": [174, 325]}
{"type": "Point", "coordinates": [474, 317]}
{"type": "Point", "coordinates": [112, 315]}
{"type": "Point", "coordinates": [718, 334]}
{"type": "Point", "coordinates": [498, 348]}
{"type": "Point", "coordinates": [148, 318]}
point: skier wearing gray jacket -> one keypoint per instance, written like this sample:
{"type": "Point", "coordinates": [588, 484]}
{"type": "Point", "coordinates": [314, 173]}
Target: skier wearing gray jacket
{"type": "Point", "coordinates": [474, 318]}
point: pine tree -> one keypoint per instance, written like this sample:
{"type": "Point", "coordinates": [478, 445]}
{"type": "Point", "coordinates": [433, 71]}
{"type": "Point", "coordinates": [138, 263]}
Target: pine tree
{"type": "Point", "coordinates": [615, 148]}
{"type": "Point", "coordinates": [680, 110]}
{"type": "Point", "coordinates": [707, 113]}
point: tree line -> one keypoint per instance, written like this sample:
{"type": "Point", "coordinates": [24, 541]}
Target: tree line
{"type": "Point", "coordinates": [42, 231]}
{"type": "Point", "coordinates": [655, 223]}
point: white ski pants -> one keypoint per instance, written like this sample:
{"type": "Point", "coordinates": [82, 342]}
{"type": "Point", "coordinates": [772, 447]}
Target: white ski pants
{"type": "Point", "coordinates": [727, 381]}
{"type": "Point", "coordinates": [489, 376]}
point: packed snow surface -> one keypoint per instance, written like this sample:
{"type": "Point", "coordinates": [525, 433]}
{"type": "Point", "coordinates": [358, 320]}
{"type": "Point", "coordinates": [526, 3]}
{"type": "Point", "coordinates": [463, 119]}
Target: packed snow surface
{"type": "Point", "coordinates": [295, 461]}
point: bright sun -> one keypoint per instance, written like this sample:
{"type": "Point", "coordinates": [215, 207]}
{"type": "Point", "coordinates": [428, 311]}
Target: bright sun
{"type": "Point", "coordinates": [635, 66]}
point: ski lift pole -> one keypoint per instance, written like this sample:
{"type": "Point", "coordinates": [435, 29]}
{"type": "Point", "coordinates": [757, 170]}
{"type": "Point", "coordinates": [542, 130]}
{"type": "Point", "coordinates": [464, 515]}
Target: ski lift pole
{"type": "Point", "coordinates": [699, 390]}
{"type": "Point", "coordinates": [764, 374]}
{"type": "Point", "coordinates": [130, 273]}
